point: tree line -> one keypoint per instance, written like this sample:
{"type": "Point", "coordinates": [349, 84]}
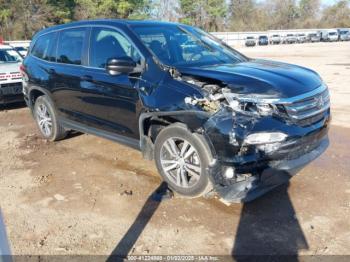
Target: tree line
{"type": "Point", "coordinates": [20, 19]}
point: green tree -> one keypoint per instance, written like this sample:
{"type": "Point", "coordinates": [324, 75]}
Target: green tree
{"type": "Point", "coordinates": [207, 14]}
{"type": "Point", "coordinates": [308, 11]}
{"type": "Point", "coordinates": [87, 9]}
{"type": "Point", "coordinates": [243, 15]}
{"type": "Point", "coordinates": [5, 15]}
{"type": "Point", "coordinates": [63, 10]}
{"type": "Point", "coordinates": [280, 14]}
{"type": "Point", "coordinates": [337, 15]}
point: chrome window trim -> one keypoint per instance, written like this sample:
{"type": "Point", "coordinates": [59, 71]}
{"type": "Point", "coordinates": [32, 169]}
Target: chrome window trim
{"type": "Point", "coordinates": [86, 26]}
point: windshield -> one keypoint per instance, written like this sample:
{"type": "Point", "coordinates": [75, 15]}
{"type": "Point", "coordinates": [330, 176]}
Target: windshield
{"type": "Point", "coordinates": [20, 48]}
{"type": "Point", "coordinates": [175, 46]}
{"type": "Point", "coordinates": [9, 56]}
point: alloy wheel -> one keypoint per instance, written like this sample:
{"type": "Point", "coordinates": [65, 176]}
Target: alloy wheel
{"type": "Point", "coordinates": [180, 162]}
{"type": "Point", "coordinates": [44, 119]}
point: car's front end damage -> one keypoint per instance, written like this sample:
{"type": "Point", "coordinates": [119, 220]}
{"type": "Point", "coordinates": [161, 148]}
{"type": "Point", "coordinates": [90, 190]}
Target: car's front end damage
{"type": "Point", "coordinates": [262, 120]}
{"type": "Point", "coordinates": [256, 154]}
{"type": "Point", "coordinates": [259, 140]}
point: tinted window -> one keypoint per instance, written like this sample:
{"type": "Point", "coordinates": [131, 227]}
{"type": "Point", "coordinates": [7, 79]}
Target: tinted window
{"type": "Point", "coordinates": [107, 44]}
{"type": "Point", "coordinates": [45, 47]}
{"type": "Point", "coordinates": [9, 56]}
{"type": "Point", "coordinates": [70, 46]}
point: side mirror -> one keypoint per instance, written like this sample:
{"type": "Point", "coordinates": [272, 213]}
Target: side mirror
{"type": "Point", "coordinates": [122, 65]}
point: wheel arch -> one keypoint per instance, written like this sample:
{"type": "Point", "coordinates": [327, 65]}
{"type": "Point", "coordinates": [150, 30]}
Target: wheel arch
{"type": "Point", "coordinates": [36, 92]}
{"type": "Point", "coordinates": [151, 123]}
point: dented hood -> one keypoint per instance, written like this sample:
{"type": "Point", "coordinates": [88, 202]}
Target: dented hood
{"type": "Point", "coordinates": [260, 77]}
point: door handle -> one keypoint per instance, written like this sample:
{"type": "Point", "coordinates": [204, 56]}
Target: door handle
{"type": "Point", "coordinates": [86, 78]}
{"type": "Point", "coordinates": [52, 71]}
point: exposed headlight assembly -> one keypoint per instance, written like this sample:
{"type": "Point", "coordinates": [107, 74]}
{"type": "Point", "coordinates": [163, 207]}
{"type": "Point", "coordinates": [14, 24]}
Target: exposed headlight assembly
{"type": "Point", "coordinates": [249, 106]}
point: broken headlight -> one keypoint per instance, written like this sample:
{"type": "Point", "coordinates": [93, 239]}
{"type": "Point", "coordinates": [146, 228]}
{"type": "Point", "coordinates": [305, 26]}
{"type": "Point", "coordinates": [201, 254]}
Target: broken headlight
{"type": "Point", "coordinates": [257, 108]}
{"type": "Point", "coordinates": [249, 106]}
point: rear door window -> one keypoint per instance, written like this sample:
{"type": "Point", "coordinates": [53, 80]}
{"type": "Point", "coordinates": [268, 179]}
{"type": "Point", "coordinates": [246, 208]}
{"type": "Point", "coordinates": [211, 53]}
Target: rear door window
{"type": "Point", "coordinates": [71, 46]}
{"type": "Point", "coordinates": [45, 47]}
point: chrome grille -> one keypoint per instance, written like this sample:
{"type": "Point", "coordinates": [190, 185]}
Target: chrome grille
{"type": "Point", "coordinates": [309, 108]}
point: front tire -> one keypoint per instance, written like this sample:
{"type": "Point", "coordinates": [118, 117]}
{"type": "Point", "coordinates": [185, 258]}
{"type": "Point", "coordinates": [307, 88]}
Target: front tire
{"type": "Point", "coordinates": [182, 159]}
{"type": "Point", "coordinates": [46, 119]}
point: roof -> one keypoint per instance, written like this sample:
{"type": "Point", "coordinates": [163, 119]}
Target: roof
{"type": "Point", "coordinates": [112, 22]}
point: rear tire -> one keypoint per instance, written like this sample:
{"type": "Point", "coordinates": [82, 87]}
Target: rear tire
{"type": "Point", "coordinates": [46, 119]}
{"type": "Point", "coordinates": [182, 159]}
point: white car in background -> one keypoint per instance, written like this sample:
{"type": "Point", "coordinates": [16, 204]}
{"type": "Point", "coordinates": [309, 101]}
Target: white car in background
{"type": "Point", "coordinates": [301, 38]}
{"type": "Point", "coordinates": [275, 39]}
{"type": "Point", "coordinates": [333, 36]}
{"type": "Point", "coordinates": [11, 83]}
{"type": "Point", "coordinates": [344, 35]}
{"type": "Point", "coordinates": [21, 50]}
{"type": "Point", "coordinates": [290, 39]}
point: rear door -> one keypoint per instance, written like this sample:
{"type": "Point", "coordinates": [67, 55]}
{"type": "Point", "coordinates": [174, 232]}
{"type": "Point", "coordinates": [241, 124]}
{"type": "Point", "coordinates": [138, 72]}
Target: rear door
{"type": "Point", "coordinates": [68, 71]}
{"type": "Point", "coordinates": [110, 102]}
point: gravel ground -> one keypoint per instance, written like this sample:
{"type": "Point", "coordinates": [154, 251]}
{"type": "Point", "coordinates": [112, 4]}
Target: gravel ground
{"type": "Point", "coordinates": [87, 195]}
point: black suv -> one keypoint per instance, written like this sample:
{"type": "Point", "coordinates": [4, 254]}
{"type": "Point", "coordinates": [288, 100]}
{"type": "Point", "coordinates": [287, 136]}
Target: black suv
{"type": "Point", "coordinates": [215, 121]}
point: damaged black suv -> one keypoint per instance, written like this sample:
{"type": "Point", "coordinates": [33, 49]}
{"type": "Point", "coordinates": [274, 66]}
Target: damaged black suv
{"type": "Point", "coordinates": [215, 121]}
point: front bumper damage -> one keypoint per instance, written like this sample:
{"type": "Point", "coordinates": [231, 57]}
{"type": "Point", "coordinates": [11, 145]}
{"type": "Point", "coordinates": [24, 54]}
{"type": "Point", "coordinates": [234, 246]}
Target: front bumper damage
{"type": "Point", "coordinates": [274, 173]}
{"type": "Point", "coordinates": [257, 169]}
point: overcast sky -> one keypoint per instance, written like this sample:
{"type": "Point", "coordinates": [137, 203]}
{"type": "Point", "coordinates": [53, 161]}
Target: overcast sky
{"type": "Point", "coordinates": [328, 2]}
{"type": "Point", "coordinates": [323, 2]}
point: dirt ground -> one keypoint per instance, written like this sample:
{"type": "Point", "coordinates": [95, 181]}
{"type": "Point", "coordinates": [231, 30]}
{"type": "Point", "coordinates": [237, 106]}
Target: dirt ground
{"type": "Point", "coordinates": [87, 195]}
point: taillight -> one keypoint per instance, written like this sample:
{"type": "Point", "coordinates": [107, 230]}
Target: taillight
{"type": "Point", "coordinates": [24, 75]}
{"type": "Point", "coordinates": [22, 69]}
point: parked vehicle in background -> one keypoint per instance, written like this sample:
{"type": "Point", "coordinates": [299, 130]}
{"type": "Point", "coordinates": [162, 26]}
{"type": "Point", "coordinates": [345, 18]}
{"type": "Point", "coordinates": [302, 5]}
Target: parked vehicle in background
{"type": "Point", "coordinates": [313, 37]}
{"type": "Point", "coordinates": [290, 39]}
{"type": "Point", "coordinates": [275, 39]}
{"type": "Point", "coordinates": [250, 41]}
{"type": "Point", "coordinates": [333, 36]}
{"type": "Point", "coordinates": [301, 38]}
{"type": "Point", "coordinates": [214, 121]}
{"type": "Point", "coordinates": [344, 35]}
{"type": "Point", "coordinates": [10, 75]}
{"type": "Point", "coordinates": [21, 50]}
{"type": "Point", "coordinates": [263, 40]}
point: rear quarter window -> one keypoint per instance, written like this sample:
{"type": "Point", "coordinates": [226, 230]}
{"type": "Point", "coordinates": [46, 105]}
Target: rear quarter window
{"type": "Point", "coordinates": [45, 47]}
